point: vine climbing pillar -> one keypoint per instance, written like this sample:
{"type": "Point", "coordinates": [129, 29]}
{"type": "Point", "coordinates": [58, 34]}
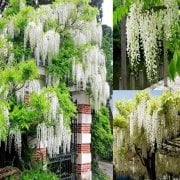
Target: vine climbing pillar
{"type": "Point", "coordinates": [82, 164]}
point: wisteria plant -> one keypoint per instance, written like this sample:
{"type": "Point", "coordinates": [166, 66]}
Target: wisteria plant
{"type": "Point", "coordinates": [141, 130]}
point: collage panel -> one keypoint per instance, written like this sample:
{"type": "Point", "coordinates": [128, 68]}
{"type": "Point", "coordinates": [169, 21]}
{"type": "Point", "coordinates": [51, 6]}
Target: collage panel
{"type": "Point", "coordinates": [146, 84]}
{"type": "Point", "coordinates": [145, 44]}
{"type": "Point", "coordinates": [146, 134]}
{"type": "Point", "coordinates": [89, 89]}
{"type": "Point", "coordinates": [55, 86]}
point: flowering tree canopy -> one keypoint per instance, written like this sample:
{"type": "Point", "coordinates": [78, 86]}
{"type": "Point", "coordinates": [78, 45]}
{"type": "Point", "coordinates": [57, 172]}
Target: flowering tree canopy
{"type": "Point", "coordinates": [146, 126]}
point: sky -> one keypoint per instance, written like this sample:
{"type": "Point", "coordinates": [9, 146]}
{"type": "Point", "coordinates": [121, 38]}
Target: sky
{"type": "Point", "coordinates": [107, 13]}
{"type": "Point", "coordinates": [128, 94]}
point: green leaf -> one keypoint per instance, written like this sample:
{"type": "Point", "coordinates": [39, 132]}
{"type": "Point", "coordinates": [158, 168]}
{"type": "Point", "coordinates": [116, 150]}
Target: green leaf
{"type": "Point", "coordinates": [101, 133]}
{"type": "Point", "coordinates": [28, 70]}
{"type": "Point", "coordinates": [120, 122]}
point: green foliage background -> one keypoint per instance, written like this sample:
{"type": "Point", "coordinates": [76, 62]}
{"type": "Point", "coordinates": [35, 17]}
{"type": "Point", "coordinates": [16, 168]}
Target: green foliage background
{"type": "Point", "coordinates": [101, 134]}
{"type": "Point", "coordinates": [107, 46]}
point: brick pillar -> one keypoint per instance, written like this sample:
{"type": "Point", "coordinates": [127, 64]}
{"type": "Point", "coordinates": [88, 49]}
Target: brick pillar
{"type": "Point", "coordinates": [83, 149]}
{"type": "Point", "coordinates": [39, 154]}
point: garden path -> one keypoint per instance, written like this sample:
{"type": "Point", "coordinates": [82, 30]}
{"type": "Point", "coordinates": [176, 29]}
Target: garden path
{"type": "Point", "coordinates": [107, 168]}
{"type": "Point", "coordinates": [173, 85]}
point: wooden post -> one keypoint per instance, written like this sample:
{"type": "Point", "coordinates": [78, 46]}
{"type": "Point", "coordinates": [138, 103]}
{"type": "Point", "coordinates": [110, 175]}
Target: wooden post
{"type": "Point", "coordinates": [123, 53]}
{"type": "Point", "coordinates": [120, 83]}
{"type": "Point", "coordinates": [132, 81]}
{"type": "Point", "coordinates": [161, 71]}
{"type": "Point", "coordinates": [141, 79]}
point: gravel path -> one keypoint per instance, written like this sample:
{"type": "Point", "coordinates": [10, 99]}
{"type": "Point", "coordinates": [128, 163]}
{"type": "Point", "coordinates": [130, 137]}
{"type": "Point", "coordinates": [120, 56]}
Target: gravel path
{"type": "Point", "coordinates": [173, 85]}
{"type": "Point", "coordinates": [107, 168]}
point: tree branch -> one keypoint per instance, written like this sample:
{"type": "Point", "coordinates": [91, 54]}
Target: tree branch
{"type": "Point", "coordinates": [138, 151]}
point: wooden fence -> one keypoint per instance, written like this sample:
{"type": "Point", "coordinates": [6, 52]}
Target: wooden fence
{"type": "Point", "coordinates": [138, 81]}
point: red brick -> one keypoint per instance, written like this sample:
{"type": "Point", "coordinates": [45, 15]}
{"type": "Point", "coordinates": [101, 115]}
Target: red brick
{"type": "Point", "coordinates": [83, 148]}
{"type": "Point", "coordinates": [39, 154]}
{"type": "Point", "coordinates": [84, 108]}
{"type": "Point", "coordinates": [83, 128]}
{"type": "Point", "coordinates": [83, 167]}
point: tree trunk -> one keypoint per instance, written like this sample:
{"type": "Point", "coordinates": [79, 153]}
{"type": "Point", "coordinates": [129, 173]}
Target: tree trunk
{"type": "Point", "coordinates": [151, 166]}
{"type": "Point", "coordinates": [149, 161]}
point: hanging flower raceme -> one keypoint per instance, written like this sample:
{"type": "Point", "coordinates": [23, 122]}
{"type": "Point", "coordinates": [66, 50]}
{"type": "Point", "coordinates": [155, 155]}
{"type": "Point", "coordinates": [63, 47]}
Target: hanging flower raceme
{"type": "Point", "coordinates": [145, 29]}
{"type": "Point", "coordinates": [5, 49]}
{"type": "Point", "coordinates": [157, 124]}
{"type": "Point", "coordinates": [44, 45]}
{"type": "Point", "coordinates": [149, 33]}
{"type": "Point", "coordinates": [4, 121]}
{"type": "Point", "coordinates": [14, 134]}
{"type": "Point", "coordinates": [55, 138]}
{"type": "Point", "coordinates": [93, 74]}
{"type": "Point", "coordinates": [132, 31]}
{"type": "Point", "coordinates": [54, 108]}
{"type": "Point", "coordinates": [89, 32]}
{"type": "Point", "coordinates": [17, 141]}
{"type": "Point", "coordinates": [10, 29]}
{"type": "Point", "coordinates": [139, 119]}
{"type": "Point", "coordinates": [64, 12]}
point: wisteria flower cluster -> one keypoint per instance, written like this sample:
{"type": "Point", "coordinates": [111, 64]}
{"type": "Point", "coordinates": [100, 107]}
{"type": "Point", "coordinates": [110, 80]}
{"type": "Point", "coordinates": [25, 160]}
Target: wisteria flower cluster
{"type": "Point", "coordinates": [145, 28]}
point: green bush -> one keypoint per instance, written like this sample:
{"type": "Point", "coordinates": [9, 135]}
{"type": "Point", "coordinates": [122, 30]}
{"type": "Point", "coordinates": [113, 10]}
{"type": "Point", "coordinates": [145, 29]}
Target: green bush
{"type": "Point", "coordinates": [67, 106]}
{"type": "Point", "coordinates": [38, 173]}
{"type": "Point", "coordinates": [62, 62]}
{"type": "Point", "coordinates": [13, 8]}
{"type": "Point", "coordinates": [97, 173]}
{"type": "Point", "coordinates": [101, 134]}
